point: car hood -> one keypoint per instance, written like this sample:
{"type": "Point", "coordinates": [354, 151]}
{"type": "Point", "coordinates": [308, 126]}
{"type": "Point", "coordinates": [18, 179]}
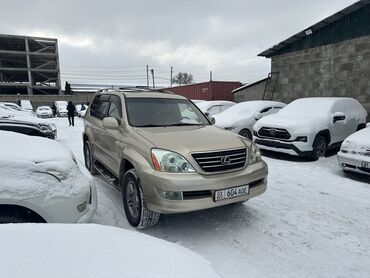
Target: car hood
{"type": "Point", "coordinates": [293, 123]}
{"type": "Point", "coordinates": [187, 139]}
{"type": "Point", "coordinates": [358, 141]}
{"type": "Point", "coordinates": [230, 120]}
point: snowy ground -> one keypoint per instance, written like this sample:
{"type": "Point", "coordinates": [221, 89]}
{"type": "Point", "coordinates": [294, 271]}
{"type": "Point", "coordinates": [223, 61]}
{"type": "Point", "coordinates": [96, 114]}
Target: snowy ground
{"type": "Point", "coordinates": [313, 221]}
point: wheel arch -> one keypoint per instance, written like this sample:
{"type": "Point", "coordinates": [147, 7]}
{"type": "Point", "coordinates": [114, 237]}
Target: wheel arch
{"type": "Point", "coordinates": [325, 133]}
{"type": "Point", "coordinates": [24, 212]}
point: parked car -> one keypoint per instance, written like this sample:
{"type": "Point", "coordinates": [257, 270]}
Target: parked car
{"type": "Point", "coordinates": [61, 108]}
{"type": "Point", "coordinates": [211, 108]}
{"type": "Point", "coordinates": [241, 117]}
{"type": "Point", "coordinates": [44, 112]}
{"type": "Point", "coordinates": [15, 109]}
{"type": "Point", "coordinates": [12, 105]}
{"type": "Point", "coordinates": [20, 122]}
{"type": "Point", "coordinates": [81, 110]}
{"type": "Point", "coordinates": [26, 105]}
{"type": "Point", "coordinates": [41, 181]}
{"type": "Point", "coordinates": [98, 251]}
{"type": "Point", "coordinates": [310, 126]}
{"type": "Point", "coordinates": [354, 155]}
{"type": "Point", "coordinates": [165, 162]}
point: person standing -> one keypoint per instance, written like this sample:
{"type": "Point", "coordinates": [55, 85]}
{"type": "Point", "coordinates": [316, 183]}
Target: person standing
{"type": "Point", "coordinates": [71, 113]}
{"type": "Point", "coordinates": [54, 108]}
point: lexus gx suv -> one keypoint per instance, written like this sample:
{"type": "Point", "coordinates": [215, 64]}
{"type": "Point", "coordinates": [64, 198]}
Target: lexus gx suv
{"type": "Point", "coordinates": [166, 156]}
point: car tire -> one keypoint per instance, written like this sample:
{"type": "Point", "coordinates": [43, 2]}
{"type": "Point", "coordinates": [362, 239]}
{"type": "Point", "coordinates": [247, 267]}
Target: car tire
{"type": "Point", "coordinates": [245, 133]}
{"type": "Point", "coordinates": [137, 212]}
{"type": "Point", "coordinates": [89, 159]}
{"type": "Point", "coordinates": [6, 219]}
{"type": "Point", "coordinates": [320, 147]}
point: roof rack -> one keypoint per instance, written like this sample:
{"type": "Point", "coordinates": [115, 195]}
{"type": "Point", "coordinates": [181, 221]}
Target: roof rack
{"type": "Point", "coordinates": [133, 89]}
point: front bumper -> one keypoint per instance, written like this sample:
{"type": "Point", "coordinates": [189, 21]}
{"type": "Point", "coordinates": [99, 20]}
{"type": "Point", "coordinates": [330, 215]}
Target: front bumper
{"type": "Point", "coordinates": [353, 162]}
{"type": "Point", "coordinates": [200, 189]}
{"type": "Point", "coordinates": [292, 148]}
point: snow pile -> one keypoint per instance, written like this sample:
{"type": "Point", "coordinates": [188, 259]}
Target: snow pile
{"type": "Point", "coordinates": [359, 141]}
{"type": "Point", "coordinates": [76, 251]}
{"type": "Point", "coordinates": [34, 166]}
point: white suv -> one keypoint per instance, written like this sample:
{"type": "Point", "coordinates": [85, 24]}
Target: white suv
{"type": "Point", "coordinates": [310, 126]}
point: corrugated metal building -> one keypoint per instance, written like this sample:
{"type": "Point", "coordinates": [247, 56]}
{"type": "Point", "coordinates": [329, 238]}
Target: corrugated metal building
{"type": "Point", "coordinates": [212, 90]}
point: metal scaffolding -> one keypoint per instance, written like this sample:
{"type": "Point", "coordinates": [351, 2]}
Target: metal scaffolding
{"type": "Point", "coordinates": [29, 65]}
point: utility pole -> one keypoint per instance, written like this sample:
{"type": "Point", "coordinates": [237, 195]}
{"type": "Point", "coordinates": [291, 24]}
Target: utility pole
{"type": "Point", "coordinates": [152, 72]}
{"type": "Point", "coordinates": [171, 75]}
{"type": "Point", "coordinates": [147, 76]}
{"type": "Point", "coordinates": [210, 76]}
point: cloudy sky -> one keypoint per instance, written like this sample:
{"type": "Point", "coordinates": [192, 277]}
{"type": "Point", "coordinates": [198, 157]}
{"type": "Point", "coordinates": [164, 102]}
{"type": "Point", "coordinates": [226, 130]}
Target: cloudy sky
{"type": "Point", "coordinates": [111, 42]}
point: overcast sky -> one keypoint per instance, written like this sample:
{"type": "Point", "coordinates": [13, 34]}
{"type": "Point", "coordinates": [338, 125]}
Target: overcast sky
{"type": "Point", "coordinates": [105, 42]}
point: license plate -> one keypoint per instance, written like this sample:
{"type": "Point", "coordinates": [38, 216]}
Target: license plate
{"type": "Point", "coordinates": [231, 192]}
{"type": "Point", "coordinates": [365, 164]}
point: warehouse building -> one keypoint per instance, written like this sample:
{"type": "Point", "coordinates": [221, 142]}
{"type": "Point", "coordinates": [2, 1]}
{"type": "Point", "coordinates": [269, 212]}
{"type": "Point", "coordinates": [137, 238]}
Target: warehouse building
{"type": "Point", "coordinates": [250, 91]}
{"type": "Point", "coordinates": [29, 66]}
{"type": "Point", "coordinates": [330, 58]}
{"type": "Point", "coordinates": [212, 90]}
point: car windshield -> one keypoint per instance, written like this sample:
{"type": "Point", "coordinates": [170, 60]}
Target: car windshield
{"type": "Point", "coordinates": [156, 112]}
{"type": "Point", "coordinates": [308, 106]}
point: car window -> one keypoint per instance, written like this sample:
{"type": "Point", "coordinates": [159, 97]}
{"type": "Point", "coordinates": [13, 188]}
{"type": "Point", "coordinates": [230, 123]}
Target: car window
{"type": "Point", "coordinates": [102, 109]}
{"type": "Point", "coordinates": [214, 110]}
{"type": "Point", "coordinates": [94, 106]}
{"type": "Point", "coordinates": [115, 108]}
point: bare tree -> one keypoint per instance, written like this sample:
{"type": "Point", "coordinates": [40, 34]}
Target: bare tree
{"type": "Point", "coordinates": [183, 78]}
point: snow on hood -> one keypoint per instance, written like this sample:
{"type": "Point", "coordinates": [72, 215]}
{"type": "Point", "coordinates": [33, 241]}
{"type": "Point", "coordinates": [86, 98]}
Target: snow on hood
{"type": "Point", "coordinates": [25, 117]}
{"type": "Point", "coordinates": [358, 141]}
{"type": "Point", "coordinates": [34, 166]}
{"type": "Point", "coordinates": [242, 112]}
{"type": "Point", "coordinates": [294, 123]}
{"type": "Point", "coordinates": [90, 250]}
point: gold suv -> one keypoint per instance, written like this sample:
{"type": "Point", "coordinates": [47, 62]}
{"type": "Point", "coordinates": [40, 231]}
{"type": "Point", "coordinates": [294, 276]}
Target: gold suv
{"type": "Point", "coordinates": [166, 156]}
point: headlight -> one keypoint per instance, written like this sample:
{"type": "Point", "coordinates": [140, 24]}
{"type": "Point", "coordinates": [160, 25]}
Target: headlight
{"type": "Point", "coordinates": [301, 139]}
{"type": "Point", "coordinates": [255, 155]}
{"type": "Point", "coordinates": [167, 161]}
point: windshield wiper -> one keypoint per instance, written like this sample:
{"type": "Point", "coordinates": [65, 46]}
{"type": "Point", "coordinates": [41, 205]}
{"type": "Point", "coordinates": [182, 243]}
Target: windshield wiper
{"type": "Point", "coordinates": [185, 124]}
{"type": "Point", "coordinates": [149, 125]}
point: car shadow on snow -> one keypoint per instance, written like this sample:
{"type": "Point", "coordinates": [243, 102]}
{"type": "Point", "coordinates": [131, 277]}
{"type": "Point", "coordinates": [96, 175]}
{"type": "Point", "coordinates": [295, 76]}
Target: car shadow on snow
{"type": "Point", "coordinates": [204, 223]}
{"type": "Point", "coordinates": [283, 156]}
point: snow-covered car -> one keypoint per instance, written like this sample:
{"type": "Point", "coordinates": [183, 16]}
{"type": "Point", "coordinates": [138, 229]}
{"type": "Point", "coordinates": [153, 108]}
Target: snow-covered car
{"type": "Point", "coordinates": [241, 117]}
{"type": "Point", "coordinates": [25, 123]}
{"type": "Point", "coordinates": [61, 108]}
{"type": "Point", "coordinates": [81, 110]}
{"type": "Point", "coordinates": [354, 154]}
{"type": "Point", "coordinates": [41, 181]}
{"type": "Point", "coordinates": [310, 126]}
{"type": "Point", "coordinates": [12, 105]}
{"type": "Point", "coordinates": [26, 105]}
{"type": "Point", "coordinates": [67, 250]}
{"type": "Point", "coordinates": [15, 109]}
{"type": "Point", "coordinates": [211, 108]}
{"type": "Point", "coordinates": [44, 112]}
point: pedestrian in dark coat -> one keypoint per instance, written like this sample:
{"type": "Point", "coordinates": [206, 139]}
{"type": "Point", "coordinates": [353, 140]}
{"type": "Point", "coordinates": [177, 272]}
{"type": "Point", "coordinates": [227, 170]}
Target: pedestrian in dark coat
{"type": "Point", "coordinates": [71, 113]}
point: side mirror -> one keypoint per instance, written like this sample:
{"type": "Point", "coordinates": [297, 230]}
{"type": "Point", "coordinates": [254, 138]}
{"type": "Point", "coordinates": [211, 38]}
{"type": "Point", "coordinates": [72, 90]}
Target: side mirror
{"type": "Point", "coordinates": [212, 120]}
{"type": "Point", "coordinates": [338, 116]}
{"type": "Point", "coordinates": [257, 116]}
{"type": "Point", "coordinates": [110, 123]}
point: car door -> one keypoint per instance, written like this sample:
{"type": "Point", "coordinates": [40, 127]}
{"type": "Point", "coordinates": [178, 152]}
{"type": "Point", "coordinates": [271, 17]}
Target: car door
{"type": "Point", "coordinates": [339, 128]}
{"type": "Point", "coordinates": [111, 139]}
{"type": "Point", "coordinates": [100, 108]}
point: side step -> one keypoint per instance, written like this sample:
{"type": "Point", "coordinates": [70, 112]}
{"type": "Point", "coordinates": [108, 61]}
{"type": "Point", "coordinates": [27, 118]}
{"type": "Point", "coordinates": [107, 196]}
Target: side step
{"type": "Point", "coordinates": [106, 174]}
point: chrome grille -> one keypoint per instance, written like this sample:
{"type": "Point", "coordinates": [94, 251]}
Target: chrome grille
{"type": "Point", "coordinates": [275, 133]}
{"type": "Point", "coordinates": [219, 161]}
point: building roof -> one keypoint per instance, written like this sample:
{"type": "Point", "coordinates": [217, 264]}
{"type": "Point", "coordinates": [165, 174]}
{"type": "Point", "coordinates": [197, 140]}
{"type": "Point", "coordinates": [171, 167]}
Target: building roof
{"type": "Point", "coordinates": [276, 49]}
{"type": "Point", "coordinates": [195, 84]}
{"type": "Point", "coordinates": [249, 85]}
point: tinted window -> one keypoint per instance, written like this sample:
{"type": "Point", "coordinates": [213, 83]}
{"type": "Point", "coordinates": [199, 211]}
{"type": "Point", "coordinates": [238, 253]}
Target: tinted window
{"type": "Point", "coordinates": [115, 108]}
{"type": "Point", "coordinates": [94, 106]}
{"type": "Point", "coordinates": [99, 106]}
{"type": "Point", "coordinates": [265, 110]}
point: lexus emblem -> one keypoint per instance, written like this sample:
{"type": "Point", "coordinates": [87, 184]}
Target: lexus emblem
{"type": "Point", "coordinates": [225, 160]}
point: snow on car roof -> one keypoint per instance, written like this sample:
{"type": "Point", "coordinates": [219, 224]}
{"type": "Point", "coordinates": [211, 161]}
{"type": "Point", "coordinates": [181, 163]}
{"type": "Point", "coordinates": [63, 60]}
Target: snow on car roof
{"type": "Point", "coordinates": [252, 106]}
{"type": "Point", "coordinates": [90, 250]}
{"type": "Point", "coordinates": [311, 106]}
{"type": "Point", "coordinates": [20, 147]}
{"type": "Point", "coordinates": [205, 105]}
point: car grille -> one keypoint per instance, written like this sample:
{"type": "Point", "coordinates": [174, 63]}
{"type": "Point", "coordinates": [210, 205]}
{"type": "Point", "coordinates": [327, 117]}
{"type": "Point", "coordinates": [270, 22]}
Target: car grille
{"type": "Point", "coordinates": [275, 133]}
{"type": "Point", "coordinates": [220, 161]}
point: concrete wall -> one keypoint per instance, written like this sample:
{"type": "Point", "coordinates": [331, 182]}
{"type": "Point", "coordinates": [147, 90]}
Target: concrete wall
{"type": "Point", "coordinates": [341, 69]}
{"type": "Point", "coordinates": [253, 92]}
{"type": "Point", "coordinates": [39, 100]}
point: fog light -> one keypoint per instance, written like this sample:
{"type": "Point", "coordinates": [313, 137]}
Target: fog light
{"type": "Point", "coordinates": [301, 139]}
{"type": "Point", "coordinates": [170, 195]}
{"type": "Point", "coordinates": [81, 207]}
